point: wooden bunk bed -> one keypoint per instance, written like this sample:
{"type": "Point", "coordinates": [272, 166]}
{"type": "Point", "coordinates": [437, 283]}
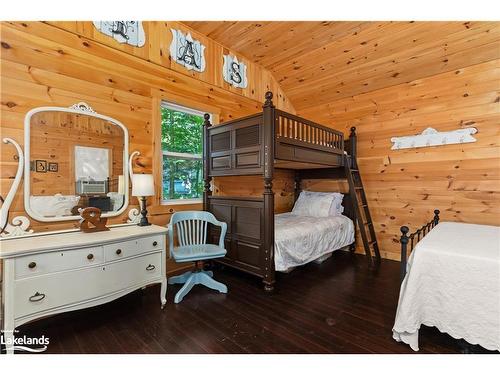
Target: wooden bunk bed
{"type": "Point", "coordinates": [259, 144]}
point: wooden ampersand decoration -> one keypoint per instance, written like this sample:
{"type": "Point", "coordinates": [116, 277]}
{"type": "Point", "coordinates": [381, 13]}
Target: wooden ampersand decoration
{"type": "Point", "coordinates": [92, 221]}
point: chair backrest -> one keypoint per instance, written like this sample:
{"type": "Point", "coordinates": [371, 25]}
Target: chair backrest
{"type": "Point", "coordinates": [191, 227]}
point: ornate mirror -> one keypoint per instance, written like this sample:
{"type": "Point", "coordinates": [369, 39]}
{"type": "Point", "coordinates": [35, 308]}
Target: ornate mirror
{"type": "Point", "coordinates": [74, 158]}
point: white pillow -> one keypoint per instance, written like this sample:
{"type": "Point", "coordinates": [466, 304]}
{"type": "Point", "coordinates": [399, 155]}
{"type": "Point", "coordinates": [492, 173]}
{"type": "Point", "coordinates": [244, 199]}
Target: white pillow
{"type": "Point", "coordinates": [312, 205]}
{"type": "Point", "coordinates": [336, 207]}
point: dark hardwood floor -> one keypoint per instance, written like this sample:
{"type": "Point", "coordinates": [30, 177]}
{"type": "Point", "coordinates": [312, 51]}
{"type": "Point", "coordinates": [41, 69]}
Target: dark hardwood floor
{"type": "Point", "coordinates": [336, 307]}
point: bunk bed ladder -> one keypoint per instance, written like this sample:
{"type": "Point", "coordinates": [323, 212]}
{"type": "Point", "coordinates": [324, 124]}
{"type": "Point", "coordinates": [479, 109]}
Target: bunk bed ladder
{"type": "Point", "coordinates": [363, 217]}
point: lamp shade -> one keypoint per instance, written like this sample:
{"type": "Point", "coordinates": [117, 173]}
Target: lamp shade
{"type": "Point", "coordinates": [143, 185]}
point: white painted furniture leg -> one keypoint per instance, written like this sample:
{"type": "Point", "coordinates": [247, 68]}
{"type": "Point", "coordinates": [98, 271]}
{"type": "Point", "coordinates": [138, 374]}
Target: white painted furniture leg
{"type": "Point", "coordinates": [163, 289]}
{"type": "Point", "coordinates": [8, 303]}
{"type": "Point", "coordinates": [163, 293]}
{"type": "Point", "coordinates": [8, 336]}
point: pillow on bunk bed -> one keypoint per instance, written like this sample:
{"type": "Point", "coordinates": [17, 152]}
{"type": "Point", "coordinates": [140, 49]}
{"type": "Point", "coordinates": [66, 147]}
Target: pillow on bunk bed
{"type": "Point", "coordinates": [336, 208]}
{"type": "Point", "coordinates": [318, 204]}
{"type": "Point", "coordinates": [312, 205]}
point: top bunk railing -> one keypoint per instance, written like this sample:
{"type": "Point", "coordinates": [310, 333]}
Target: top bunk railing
{"type": "Point", "coordinates": [297, 130]}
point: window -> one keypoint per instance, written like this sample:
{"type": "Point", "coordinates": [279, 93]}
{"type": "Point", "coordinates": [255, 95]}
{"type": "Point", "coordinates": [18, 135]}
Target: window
{"type": "Point", "coordinates": [182, 147]}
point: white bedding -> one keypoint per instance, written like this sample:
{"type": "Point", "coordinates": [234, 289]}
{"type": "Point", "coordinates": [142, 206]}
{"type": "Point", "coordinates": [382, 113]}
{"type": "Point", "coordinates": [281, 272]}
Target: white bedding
{"type": "Point", "coordinates": [302, 239]}
{"type": "Point", "coordinates": [453, 283]}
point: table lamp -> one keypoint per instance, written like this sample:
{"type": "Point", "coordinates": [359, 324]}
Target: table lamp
{"type": "Point", "coordinates": [142, 187]}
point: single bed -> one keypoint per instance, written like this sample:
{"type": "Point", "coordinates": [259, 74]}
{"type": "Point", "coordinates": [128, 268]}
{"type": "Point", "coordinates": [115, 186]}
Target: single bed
{"type": "Point", "coordinates": [452, 283]}
{"type": "Point", "coordinates": [303, 239]}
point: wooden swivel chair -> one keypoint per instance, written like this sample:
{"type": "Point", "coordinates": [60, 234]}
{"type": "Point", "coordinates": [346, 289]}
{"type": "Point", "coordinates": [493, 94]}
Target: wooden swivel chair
{"type": "Point", "coordinates": [192, 228]}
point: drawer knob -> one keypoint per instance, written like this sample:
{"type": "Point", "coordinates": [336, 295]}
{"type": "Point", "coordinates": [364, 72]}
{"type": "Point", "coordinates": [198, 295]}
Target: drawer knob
{"type": "Point", "coordinates": [118, 251]}
{"type": "Point", "coordinates": [32, 265]}
{"type": "Point", "coordinates": [90, 256]}
{"type": "Point", "coordinates": [155, 243]}
{"type": "Point", "coordinates": [37, 297]}
{"type": "Point", "coordinates": [150, 267]}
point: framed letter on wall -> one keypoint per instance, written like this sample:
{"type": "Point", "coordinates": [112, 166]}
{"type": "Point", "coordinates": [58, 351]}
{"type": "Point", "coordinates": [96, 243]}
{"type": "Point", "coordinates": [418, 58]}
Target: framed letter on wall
{"type": "Point", "coordinates": [187, 51]}
{"type": "Point", "coordinates": [234, 72]}
{"type": "Point", "coordinates": [129, 32]}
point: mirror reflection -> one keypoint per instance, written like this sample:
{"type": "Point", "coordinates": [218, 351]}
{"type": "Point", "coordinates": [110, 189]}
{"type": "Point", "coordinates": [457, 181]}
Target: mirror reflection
{"type": "Point", "coordinates": [76, 162]}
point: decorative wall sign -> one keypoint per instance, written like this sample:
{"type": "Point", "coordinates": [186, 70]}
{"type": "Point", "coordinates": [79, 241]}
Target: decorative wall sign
{"type": "Point", "coordinates": [186, 51]}
{"type": "Point", "coordinates": [53, 167]}
{"type": "Point", "coordinates": [130, 32]}
{"type": "Point", "coordinates": [41, 166]}
{"type": "Point", "coordinates": [234, 71]}
{"type": "Point", "coordinates": [431, 137]}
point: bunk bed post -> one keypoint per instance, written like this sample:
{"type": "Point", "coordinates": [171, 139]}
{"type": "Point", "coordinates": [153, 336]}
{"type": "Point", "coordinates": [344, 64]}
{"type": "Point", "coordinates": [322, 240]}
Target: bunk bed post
{"type": "Point", "coordinates": [268, 132]}
{"type": "Point", "coordinates": [206, 160]}
{"type": "Point", "coordinates": [353, 147]}
{"type": "Point", "coordinates": [354, 165]}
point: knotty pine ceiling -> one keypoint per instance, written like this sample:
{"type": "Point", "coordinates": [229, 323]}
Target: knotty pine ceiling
{"type": "Point", "coordinates": [320, 62]}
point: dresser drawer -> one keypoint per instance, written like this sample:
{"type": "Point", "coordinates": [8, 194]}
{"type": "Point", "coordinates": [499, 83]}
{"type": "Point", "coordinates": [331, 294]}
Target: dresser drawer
{"type": "Point", "coordinates": [151, 243]}
{"type": "Point", "coordinates": [50, 291]}
{"type": "Point", "coordinates": [36, 294]}
{"type": "Point", "coordinates": [40, 264]}
{"type": "Point", "coordinates": [131, 272]}
{"type": "Point", "coordinates": [126, 249]}
{"type": "Point", "coordinates": [121, 250]}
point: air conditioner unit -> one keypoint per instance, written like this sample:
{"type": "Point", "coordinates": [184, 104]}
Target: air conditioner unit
{"type": "Point", "coordinates": [91, 187]}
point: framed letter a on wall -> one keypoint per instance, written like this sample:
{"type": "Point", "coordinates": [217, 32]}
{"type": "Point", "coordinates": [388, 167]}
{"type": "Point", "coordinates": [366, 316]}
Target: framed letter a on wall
{"type": "Point", "coordinates": [187, 51]}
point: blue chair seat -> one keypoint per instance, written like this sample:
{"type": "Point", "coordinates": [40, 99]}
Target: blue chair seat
{"type": "Point", "coordinates": [192, 253]}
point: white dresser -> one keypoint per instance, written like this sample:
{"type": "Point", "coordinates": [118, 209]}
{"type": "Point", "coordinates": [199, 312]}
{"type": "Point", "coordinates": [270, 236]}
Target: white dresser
{"type": "Point", "coordinates": [54, 273]}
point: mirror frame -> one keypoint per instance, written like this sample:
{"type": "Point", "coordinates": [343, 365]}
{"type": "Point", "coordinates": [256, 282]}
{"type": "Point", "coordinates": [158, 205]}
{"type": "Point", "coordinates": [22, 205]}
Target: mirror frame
{"type": "Point", "coordinates": [81, 109]}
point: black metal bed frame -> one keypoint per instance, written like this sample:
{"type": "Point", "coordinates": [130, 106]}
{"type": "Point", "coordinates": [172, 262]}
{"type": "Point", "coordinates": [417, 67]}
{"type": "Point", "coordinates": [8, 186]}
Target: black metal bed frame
{"type": "Point", "coordinates": [410, 238]}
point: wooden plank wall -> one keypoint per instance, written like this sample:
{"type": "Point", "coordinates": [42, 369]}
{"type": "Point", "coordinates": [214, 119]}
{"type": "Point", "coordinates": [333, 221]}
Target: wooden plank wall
{"type": "Point", "coordinates": [404, 187]}
{"type": "Point", "coordinates": [252, 186]}
{"type": "Point", "coordinates": [62, 63]}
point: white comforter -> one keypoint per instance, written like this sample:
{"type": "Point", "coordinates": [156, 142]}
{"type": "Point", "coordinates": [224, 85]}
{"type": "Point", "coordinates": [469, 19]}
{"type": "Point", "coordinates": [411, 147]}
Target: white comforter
{"type": "Point", "coordinates": [302, 239]}
{"type": "Point", "coordinates": [453, 283]}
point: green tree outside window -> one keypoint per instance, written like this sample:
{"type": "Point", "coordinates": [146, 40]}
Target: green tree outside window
{"type": "Point", "coordinates": [181, 144]}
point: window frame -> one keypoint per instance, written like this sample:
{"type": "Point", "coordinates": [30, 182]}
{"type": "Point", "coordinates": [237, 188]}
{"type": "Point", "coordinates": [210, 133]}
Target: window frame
{"type": "Point", "coordinates": [176, 107]}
